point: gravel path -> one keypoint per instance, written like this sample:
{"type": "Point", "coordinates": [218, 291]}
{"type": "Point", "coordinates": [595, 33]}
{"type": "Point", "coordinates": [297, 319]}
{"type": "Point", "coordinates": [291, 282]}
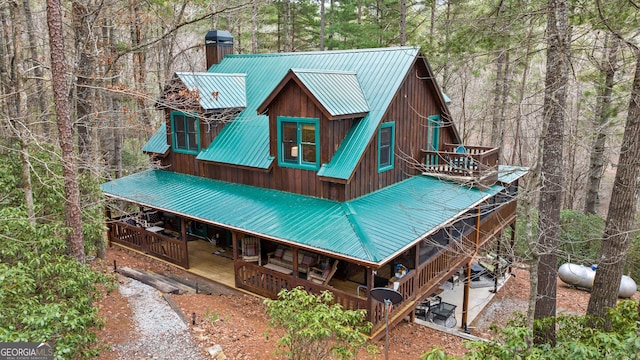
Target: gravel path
{"type": "Point", "coordinates": [160, 332]}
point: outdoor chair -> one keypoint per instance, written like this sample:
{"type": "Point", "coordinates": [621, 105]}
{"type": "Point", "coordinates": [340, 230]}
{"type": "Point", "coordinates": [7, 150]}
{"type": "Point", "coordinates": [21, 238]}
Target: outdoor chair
{"type": "Point", "coordinates": [322, 276]}
{"type": "Point", "coordinates": [251, 250]}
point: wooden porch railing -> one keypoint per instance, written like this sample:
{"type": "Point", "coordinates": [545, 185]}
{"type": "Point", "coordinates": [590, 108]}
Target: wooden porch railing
{"type": "Point", "coordinates": [477, 164]}
{"type": "Point", "coordinates": [422, 282]}
{"type": "Point", "coordinates": [414, 286]}
{"type": "Point", "coordinates": [268, 283]}
{"type": "Point", "coordinates": [161, 246]}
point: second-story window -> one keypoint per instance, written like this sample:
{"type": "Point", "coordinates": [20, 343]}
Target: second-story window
{"type": "Point", "coordinates": [186, 133]}
{"type": "Point", "coordinates": [385, 146]}
{"type": "Point", "coordinates": [298, 140]}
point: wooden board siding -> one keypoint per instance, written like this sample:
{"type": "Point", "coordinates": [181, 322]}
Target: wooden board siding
{"type": "Point", "coordinates": [415, 101]}
{"type": "Point", "coordinates": [410, 108]}
{"type": "Point", "coordinates": [294, 102]}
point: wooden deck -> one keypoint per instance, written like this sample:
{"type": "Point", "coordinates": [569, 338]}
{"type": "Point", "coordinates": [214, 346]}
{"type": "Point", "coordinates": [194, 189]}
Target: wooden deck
{"type": "Point", "coordinates": [204, 262]}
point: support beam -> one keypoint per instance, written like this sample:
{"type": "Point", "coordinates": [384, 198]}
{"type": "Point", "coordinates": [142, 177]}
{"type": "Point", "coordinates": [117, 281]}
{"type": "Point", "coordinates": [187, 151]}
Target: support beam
{"type": "Point", "coordinates": [370, 282]}
{"type": "Point", "coordinates": [513, 244]}
{"type": "Point", "coordinates": [183, 233]}
{"type": "Point", "coordinates": [465, 299]}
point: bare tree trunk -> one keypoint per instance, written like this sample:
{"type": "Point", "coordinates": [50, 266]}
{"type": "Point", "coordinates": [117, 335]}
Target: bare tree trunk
{"type": "Point", "coordinates": [37, 66]}
{"type": "Point", "coordinates": [608, 69]}
{"type": "Point", "coordinates": [322, 13]}
{"type": "Point", "coordinates": [403, 22]}
{"type": "Point", "coordinates": [19, 122]}
{"type": "Point", "coordinates": [254, 27]}
{"type": "Point", "coordinates": [75, 241]}
{"type": "Point", "coordinates": [622, 210]}
{"type": "Point", "coordinates": [139, 63]}
{"type": "Point", "coordinates": [558, 42]}
{"type": "Point", "coordinates": [81, 25]}
{"type": "Point", "coordinates": [501, 85]}
{"type": "Point", "coordinates": [517, 142]}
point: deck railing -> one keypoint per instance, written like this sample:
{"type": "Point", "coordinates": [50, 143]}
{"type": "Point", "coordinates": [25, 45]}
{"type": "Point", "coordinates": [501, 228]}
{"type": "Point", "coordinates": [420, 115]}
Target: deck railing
{"type": "Point", "coordinates": [414, 286]}
{"type": "Point", "coordinates": [268, 283]}
{"type": "Point", "coordinates": [161, 246]}
{"type": "Point", "coordinates": [476, 164]}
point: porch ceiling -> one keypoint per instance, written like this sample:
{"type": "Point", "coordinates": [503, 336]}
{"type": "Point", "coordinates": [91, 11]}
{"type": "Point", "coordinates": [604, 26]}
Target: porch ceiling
{"type": "Point", "coordinates": [371, 229]}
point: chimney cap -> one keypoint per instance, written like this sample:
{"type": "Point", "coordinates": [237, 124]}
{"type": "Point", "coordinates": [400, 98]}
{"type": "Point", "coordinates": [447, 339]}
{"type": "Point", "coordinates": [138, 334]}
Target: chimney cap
{"type": "Point", "coordinates": [218, 36]}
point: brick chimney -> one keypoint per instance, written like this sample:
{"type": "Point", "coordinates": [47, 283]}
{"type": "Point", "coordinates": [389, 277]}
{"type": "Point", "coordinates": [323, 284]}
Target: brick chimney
{"type": "Point", "coordinates": [217, 44]}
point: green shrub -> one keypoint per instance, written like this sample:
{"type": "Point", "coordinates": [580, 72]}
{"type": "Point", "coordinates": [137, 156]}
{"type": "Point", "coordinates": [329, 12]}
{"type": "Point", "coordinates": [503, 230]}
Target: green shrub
{"type": "Point", "coordinates": [46, 295]}
{"type": "Point", "coordinates": [316, 328]}
{"type": "Point", "coordinates": [575, 340]}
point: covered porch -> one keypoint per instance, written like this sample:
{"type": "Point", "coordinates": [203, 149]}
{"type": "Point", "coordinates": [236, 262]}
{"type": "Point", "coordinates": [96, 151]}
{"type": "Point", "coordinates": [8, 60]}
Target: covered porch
{"type": "Point", "coordinates": [265, 262]}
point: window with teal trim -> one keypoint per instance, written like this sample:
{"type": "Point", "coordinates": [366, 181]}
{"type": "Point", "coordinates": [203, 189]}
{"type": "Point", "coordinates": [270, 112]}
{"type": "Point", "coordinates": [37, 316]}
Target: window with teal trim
{"type": "Point", "coordinates": [299, 140]}
{"type": "Point", "coordinates": [386, 138]}
{"type": "Point", "coordinates": [433, 139]}
{"type": "Point", "coordinates": [186, 133]}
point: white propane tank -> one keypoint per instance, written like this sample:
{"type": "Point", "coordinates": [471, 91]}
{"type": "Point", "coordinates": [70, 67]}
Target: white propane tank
{"type": "Point", "coordinates": [583, 276]}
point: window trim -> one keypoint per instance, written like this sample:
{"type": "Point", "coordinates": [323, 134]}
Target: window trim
{"type": "Point", "coordinates": [392, 144]}
{"type": "Point", "coordinates": [298, 121]}
{"type": "Point", "coordinates": [433, 133]}
{"type": "Point", "coordinates": [174, 137]}
{"type": "Point", "coordinates": [433, 138]}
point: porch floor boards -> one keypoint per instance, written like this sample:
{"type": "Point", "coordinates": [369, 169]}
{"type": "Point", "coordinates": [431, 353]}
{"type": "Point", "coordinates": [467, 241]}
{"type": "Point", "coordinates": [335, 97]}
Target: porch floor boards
{"type": "Point", "coordinates": [203, 262]}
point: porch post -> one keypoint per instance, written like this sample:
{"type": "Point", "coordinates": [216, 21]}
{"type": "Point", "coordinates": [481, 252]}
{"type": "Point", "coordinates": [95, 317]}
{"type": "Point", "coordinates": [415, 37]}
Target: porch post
{"type": "Point", "coordinates": [238, 269]}
{"type": "Point", "coordinates": [465, 298]}
{"type": "Point", "coordinates": [370, 283]}
{"type": "Point", "coordinates": [234, 245]}
{"type": "Point", "coordinates": [513, 244]}
{"type": "Point", "coordinates": [107, 214]}
{"type": "Point", "coordinates": [294, 258]}
{"type": "Point", "coordinates": [183, 231]}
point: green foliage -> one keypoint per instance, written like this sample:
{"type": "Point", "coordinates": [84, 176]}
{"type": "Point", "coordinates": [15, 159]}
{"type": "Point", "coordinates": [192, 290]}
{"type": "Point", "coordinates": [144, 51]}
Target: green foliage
{"type": "Point", "coordinates": [580, 237]}
{"type": "Point", "coordinates": [212, 316]}
{"type": "Point", "coordinates": [436, 353]}
{"type": "Point", "coordinates": [46, 295]}
{"type": "Point", "coordinates": [575, 340]}
{"type": "Point", "coordinates": [314, 327]}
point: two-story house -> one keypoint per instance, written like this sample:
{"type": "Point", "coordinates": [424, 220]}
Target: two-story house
{"type": "Point", "coordinates": [330, 170]}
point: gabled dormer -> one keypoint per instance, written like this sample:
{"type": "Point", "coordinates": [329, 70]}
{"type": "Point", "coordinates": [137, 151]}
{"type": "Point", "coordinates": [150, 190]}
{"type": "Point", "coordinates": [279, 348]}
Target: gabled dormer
{"type": "Point", "coordinates": [310, 113]}
{"type": "Point", "coordinates": [197, 105]}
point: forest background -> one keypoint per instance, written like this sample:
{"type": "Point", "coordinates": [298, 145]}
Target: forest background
{"type": "Point", "coordinates": [489, 57]}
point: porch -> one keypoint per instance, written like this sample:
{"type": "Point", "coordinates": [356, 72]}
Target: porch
{"type": "Point", "coordinates": [226, 261]}
{"type": "Point", "coordinates": [472, 165]}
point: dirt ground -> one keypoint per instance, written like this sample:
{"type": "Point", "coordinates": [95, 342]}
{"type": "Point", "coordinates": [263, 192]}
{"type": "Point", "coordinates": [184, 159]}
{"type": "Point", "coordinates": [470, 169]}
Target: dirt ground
{"type": "Point", "coordinates": [237, 321]}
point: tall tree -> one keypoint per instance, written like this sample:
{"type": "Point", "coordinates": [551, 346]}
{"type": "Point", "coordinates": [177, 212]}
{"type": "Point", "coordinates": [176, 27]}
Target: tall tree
{"type": "Point", "coordinates": [607, 68]}
{"type": "Point", "coordinates": [19, 116]}
{"type": "Point", "coordinates": [558, 42]}
{"type": "Point", "coordinates": [622, 211]}
{"type": "Point", "coordinates": [75, 240]}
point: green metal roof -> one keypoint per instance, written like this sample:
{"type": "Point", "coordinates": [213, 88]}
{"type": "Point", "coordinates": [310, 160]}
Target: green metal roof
{"type": "Point", "coordinates": [217, 91]}
{"type": "Point", "coordinates": [157, 144]}
{"type": "Point", "coordinates": [371, 229]}
{"type": "Point", "coordinates": [245, 140]}
{"type": "Point", "coordinates": [508, 173]}
{"type": "Point", "coordinates": [338, 91]}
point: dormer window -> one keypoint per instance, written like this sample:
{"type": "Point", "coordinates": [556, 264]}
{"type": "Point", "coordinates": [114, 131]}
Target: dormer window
{"type": "Point", "coordinates": [186, 133]}
{"type": "Point", "coordinates": [299, 140]}
{"type": "Point", "coordinates": [386, 136]}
